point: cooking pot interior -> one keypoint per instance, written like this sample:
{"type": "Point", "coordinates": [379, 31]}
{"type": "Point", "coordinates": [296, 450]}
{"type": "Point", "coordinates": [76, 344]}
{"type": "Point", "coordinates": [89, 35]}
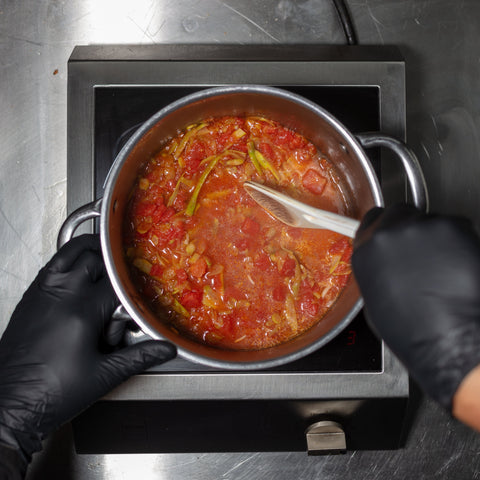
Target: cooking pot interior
{"type": "Point", "coordinates": [330, 138]}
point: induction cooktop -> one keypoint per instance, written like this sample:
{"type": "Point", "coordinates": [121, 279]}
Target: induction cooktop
{"type": "Point", "coordinates": [353, 387]}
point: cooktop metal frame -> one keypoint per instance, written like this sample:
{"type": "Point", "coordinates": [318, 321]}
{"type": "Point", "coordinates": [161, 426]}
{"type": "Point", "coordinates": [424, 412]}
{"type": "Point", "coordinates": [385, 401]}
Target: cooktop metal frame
{"type": "Point", "coordinates": [208, 65]}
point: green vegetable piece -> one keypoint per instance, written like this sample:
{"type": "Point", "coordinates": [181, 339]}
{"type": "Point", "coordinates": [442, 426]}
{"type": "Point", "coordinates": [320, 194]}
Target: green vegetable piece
{"type": "Point", "coordinates": [175, 192]}
{"type": "Point", "coordinates": [187, 137]}
{"type": "Point", "coordinates": [192, 203]}
{"type": "Point", "coordinates": [253, 157]}
{"type": "Point", "coordinates": [179, 308]}
{"type": "Point", "coordinates": [266, 165]}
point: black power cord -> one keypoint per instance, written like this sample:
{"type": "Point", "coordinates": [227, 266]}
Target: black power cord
{"type": "Point", "coordinates": [346, 21]}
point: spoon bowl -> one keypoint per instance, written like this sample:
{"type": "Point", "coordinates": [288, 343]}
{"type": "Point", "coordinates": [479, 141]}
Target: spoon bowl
{"type": "Point", "coordinates": [298, 214]}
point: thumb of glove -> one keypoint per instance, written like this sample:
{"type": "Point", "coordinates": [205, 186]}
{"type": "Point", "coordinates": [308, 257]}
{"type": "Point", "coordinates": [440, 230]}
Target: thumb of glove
{"type": "Point", "coordinates": [132, 360]}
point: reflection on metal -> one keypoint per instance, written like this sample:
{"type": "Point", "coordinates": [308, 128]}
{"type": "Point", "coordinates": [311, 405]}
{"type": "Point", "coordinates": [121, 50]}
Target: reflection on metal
{"type": "Point", "coordinates": [325, 437]}
{"type": "Point", "coordinates": [409, 161]}
{"type": "Point", "coordinates": [82, 214]}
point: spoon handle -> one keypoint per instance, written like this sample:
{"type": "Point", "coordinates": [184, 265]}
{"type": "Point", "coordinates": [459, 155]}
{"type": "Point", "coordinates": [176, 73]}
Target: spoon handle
{"type": "Point", "coordinates": [322, 219]}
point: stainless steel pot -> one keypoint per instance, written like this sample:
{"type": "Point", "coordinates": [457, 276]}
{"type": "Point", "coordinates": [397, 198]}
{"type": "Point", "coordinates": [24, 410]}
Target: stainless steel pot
{"type": "Point", "coordinates": [331, 137]}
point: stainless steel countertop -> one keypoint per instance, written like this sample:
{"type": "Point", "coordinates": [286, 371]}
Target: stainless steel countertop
{"type": "Point", "coordinates": [439, 40]}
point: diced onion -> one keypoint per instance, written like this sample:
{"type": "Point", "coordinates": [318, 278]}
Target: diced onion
{"type": "Point", "coordinates": [143, 265]}
{"type": "Point", "coordinates": [143, 183]}
{"type": "Point", "coordinates": [276, 318]}
{"type": "Point", "coordinates": [210, 297]}
{"type": "Point", "coordinates": [290, 313]}
{"type": "Point", "coordinates": [239, 133]}
{"type": "Point", "coordinates": [190, 248]}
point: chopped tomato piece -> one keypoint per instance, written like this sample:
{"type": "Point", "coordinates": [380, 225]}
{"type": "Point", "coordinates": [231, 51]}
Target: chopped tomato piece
{"type": "Point", "coordinates": [166, 232]}
{"type": "Point", "coordinates": [199, 268]}
{"type": "Point", "coordinates": [231, 290]}
{"type": "Point", "coordinates": [343, 247]}
{"type": "Point", "coordinates": [288, 267]}
{"type": "Point", "coordinates": [284, 136]}
{"type": "Point", "coordinates": [225, 138]}
{"type": "Point", "coordinates": [314, 181]}
{"type": "Point", "coordinates": [270, 130]}
{"type": "Point", "coordinates": [201, 245]}
{"type": "Point", "coordinates": [156, 270]}
{"type": "Point", "coordinates": [309, 306]}
{"type": "Point", "coordinates": [297, 141]}
{"type": "Point", "coordinates": [181, 200]}
{"type": "Point", "coordinates": [152, 176]}
{"type": "Point", "coordinates": [191, 298]}
{"type": "Point", "coordinates": [250, 226]}
{"type": "Point", "coordinates": [347, 253]}
{"type": "Point", "coordinates": [280, 293]}
{"type": "Point", "coordinates": [240, 145]}
{"type": "Point", "coordinates": [156, 192]}
{"type": "Point", "coordinates": [266, 149]}
{"type": "Point", "coordinates": [167, 214]}
{"type": "Point", "coordinates": [157, 215]}
{"type": "Point", "coordinates": [241, 244]}
{"type": "Point", "coordinates": [217, 282]}
{"type": "Point", "coordinates": [262, 261]}
{"type": "Point", "coordinates": [181, 274]}
{"type": "Point", "coordinates": [145, 209]}
{"type": "Point", "coordinates": [193, 156]}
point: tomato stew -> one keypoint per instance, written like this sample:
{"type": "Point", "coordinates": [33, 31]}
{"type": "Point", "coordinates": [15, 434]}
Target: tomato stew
{"type": "Point", "coordinates": [211, 261]}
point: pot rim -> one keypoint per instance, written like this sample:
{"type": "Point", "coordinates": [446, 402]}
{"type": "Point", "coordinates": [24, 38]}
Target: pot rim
{"type": "Point", "coordinates": [113, 174]}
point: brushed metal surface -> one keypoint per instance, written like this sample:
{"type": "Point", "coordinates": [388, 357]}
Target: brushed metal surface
{"type": "Point", "coordinates": [440, 43]}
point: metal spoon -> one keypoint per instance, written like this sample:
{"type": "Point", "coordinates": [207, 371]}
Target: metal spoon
{"type": "Point", "coordinates": [298, 214]}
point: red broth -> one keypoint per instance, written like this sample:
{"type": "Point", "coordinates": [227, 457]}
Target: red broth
{"type": "Point", "coordinates": [215, 264]}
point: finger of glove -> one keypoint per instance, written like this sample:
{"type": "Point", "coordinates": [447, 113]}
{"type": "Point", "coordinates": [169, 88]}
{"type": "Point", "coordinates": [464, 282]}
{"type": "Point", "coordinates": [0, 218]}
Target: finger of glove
{"type": "Point", "coordinates": [120, 321]}
{"type": "Point", "coordinates": [67, 256]}
{"type": "Point", "coordinates": [114, 331]}
{"type": "Point", "coordinates": [87, 269]}
{"type": "Point", "coordinates": [104, 301]}
{"type": "Point", "coordinates": [132, 360]}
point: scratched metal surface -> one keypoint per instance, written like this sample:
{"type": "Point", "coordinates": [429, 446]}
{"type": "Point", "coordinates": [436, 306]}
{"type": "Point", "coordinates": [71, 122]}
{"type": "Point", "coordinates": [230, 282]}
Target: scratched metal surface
{"type": "Point", "coordinates": [439, 39]}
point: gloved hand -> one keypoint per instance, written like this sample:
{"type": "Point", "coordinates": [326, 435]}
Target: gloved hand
{"type": "Point", "coordinates": [419, 275]}
{"type": "Point", "coordinates": [54, 361]}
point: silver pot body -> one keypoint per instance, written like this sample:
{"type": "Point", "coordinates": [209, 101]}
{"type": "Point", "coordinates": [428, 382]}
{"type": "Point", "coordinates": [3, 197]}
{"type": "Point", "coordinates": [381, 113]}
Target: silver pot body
{"type": "Point", "coordinates": [295, 112]}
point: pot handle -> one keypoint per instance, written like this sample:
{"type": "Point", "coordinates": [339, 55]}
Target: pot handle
{"type": "Point", "coordinates": [75, 219]}
{"type": "Point", "coordinates": [409, 161]}
{"type": "Point", "coordinates": [120, 317]}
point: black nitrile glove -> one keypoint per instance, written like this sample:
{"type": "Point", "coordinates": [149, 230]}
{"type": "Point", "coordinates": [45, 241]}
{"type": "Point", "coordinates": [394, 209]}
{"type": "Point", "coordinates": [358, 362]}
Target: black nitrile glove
{"type": "Point", "coordinates": [419, 275]}
{"type": "Point", "coordinates": [54, 360]}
